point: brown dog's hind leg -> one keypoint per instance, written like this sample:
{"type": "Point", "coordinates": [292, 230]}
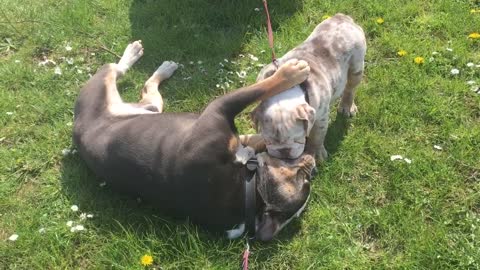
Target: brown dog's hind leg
{"type": "Point", "coordinates": [150, 95]}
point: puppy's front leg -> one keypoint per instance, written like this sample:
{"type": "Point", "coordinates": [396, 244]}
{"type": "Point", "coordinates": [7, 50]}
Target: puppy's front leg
{"type": "Point", "coordinates": [316, 140]}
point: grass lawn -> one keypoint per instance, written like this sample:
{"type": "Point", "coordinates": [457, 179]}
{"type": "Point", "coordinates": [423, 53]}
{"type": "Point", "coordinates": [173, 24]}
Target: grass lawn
{"type": "Point", "coordinates": [366, 211]}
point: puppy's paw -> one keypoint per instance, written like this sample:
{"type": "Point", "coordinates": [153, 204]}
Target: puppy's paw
{"type": "Point", "coordinates": [321, 154]}
{"type": "Point", "coordinates": [293, 72]}
{"type": "Point", "coordinates": [348, 111]}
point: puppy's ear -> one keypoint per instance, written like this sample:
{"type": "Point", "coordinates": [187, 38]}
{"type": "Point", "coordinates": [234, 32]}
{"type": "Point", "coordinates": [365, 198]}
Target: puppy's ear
{"type": "Point", "coordinates": [305, 113]}
{"type": "Point", "coordinates": [266, 72]}
{"type": "Point", "coordinates": [256, 115]}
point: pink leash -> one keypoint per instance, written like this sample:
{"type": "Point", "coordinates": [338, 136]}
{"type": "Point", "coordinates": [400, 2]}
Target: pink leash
{"type": "Point", "coordinates": [270, 33]}
{"type": "Point", "coordinates": [246, 253]}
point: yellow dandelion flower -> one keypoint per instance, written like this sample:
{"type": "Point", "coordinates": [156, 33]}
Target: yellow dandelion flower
{"type": "Point", "coordinates": [419, 60]}
{"type": "Point", "coordinates": [380, 20]}
{"type": "Point", "coordinates": [146, 260]}
{"type": "Point", "coordinates": [402, 53]}
{"type": "Point", "coordinates": [472, 11]}
{"type": "Point", "coordinates": [326, 17]}
{"type": "Point", "coordinates": [474, 35]}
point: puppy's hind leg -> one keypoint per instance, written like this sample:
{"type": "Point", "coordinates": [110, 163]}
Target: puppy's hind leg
{"type": "Point", "coordinates": [347, 105]}
{"type": "Point", "coordinates": [151, 98]}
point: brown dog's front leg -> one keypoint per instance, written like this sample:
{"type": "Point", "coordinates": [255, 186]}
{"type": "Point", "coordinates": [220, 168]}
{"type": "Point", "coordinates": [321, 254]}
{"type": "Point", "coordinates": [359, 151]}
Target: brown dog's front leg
{"type": "Point", "coordinates": [292, 73]}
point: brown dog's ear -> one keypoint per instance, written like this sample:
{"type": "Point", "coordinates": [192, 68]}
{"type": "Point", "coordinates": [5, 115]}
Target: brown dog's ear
{"type": "Point", "coordinates": [306, 113]}
{"type": "Point", "coordinates": [266, 72]}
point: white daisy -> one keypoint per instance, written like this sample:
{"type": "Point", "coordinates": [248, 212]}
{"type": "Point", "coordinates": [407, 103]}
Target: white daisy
{"type": "Point", "coordinates": [58, 71]}
{"type": "Point", "coordinates": [470, 64]}
{"type": "Point", "coordinates": [454, 71]}
{"type": "Point", "coordinates": [74, 208]}
{"type": "Point", "coordinates": [395, 157]}
{"type": "Point", "coordinates": [46, 62]}
{"type": "Point", "coordinates": [69, 223]}
{"type": "Point", "coordinates": [13, 237]}
{"type": "Point", "coordinates": [437, 147]}
{"type": "Point", "coordinates": [9, 113]}
{"type": "Point", "coordinates": [68, 48]}
{"type": "Point", "coordinates": [242, 74]}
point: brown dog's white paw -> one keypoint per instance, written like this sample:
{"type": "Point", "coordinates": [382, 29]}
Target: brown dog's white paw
{"type": "Point", "coordinates": [166, 70]}
{"type": "Point", "coordinates": [348, 111]}
{"type": "Point", "coordinates": [132, 53]}
{"type": "Point", "coordinates": [293, 72]}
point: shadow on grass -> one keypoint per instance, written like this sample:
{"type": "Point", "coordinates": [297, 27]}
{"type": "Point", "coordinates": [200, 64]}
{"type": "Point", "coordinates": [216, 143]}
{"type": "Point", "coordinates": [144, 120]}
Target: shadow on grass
{"type": "Point", "coordinates": [336, 132]}
{"type": "Point", "coordinates": [189, 30]}
{"type": "Point", "coordinates": [200, 30]}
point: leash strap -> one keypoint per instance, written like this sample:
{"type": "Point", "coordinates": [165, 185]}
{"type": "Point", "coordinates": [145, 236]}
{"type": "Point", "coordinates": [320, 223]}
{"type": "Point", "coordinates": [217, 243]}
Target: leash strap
{"type": "Point", "coordinates": [250, 197]}
{"type": "Point", "coordinates": [246, 254]}
{"type": "Point", "coordinates": [270, 33]}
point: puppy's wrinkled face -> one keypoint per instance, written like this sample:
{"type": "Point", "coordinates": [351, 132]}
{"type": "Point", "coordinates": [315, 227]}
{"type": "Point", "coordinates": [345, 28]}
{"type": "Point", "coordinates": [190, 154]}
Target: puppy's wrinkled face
{"type": "Point", "coordinates": [284, 187]}
{"type": "Point", "coordinates": [284, 128]}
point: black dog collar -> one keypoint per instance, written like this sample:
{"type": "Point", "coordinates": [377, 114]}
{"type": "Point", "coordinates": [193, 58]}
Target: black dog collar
{"type": "Point", "coordinates": [251, 196]}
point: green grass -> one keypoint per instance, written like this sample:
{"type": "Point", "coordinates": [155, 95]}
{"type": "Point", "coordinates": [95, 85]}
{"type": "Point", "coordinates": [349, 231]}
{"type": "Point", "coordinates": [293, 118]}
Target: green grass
{"type": "Point", "coordinates": [366, 211]}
